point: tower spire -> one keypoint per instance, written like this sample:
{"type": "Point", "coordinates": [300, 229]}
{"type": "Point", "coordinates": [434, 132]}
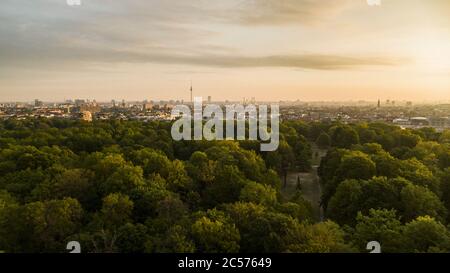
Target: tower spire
{"type": "Point", "coordinates": [191, 92]}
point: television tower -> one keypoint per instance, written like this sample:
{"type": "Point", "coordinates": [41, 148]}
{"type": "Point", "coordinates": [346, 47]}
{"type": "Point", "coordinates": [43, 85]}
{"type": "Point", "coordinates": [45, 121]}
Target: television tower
{"type": "Point", "coordinates": [192, 101]}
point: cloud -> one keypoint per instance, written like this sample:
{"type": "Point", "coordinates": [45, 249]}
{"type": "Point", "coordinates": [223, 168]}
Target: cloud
{"type": "Point", "coordinates": [77, 55]}
{"type": "Point", "coordinates": [48, 33]}
{"type": "Point", "coordinates": [276, 12]}
{"type": "Point", "coordinates": [305, 61]}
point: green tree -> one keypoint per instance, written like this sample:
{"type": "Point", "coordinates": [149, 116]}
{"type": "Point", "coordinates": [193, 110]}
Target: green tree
{"type": "Point", "coordinates": [215, 233]}
{"type": "Point", "coordinates": [344, 136]}
{"type": "Point", "coordinates": [124, 180]}
{"type": "Point", "coordinates": [131, 238]}
{"type": "Point", "coordinates": [40, 226]}
{"type": "Point", "coordinates": [382, 226]}
{"type": "Point", "coordinates": [425, 234]}
{"type": "Point", "coordinates": [258, 194]}
{"type": "Point", "coordinates": [200, 168]}
{"type": "Point", "coordinates": [116, 210]}
{"type": "Point", "coordinates": [346, 202]}
{"type": "Point", "coordinates": [445, 137]}
{"type": "Point", "coordinates": [325, 237]}
{"type": "Point", "coordinates": [175, 240]}
{"type": "Point", "coordinates": [419, 201]}
{"type": "Point", "coordinates": [356, 165]}
{"type": "Point", "coordinates": [323, 141]}
{"type": "Point", "coordinates": [283, 160]}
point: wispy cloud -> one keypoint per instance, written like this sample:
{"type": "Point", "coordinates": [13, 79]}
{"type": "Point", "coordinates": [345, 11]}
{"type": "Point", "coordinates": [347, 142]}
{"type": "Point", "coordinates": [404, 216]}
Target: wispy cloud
{"type": "Point", "coordinates": [161, 32]}
{"type": "Point", "coordinates": [84, 55]}
{"type": "Point", "coordinates": [270, 12]}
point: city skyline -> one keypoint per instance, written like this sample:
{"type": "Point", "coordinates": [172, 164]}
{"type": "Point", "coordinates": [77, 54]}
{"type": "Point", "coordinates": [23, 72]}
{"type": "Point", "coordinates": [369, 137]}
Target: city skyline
{"type": "Point", "coordinates": [272, 50]}
{"type": "Point", "coordinates": [375, 102]}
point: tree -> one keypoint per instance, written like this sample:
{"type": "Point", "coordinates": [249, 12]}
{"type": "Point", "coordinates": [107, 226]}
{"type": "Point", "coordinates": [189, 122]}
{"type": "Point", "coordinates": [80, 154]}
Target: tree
{"type": "Point", "coordinates": [6, 200]}
{"type": "Point", "coordinates": [116, 210]}
{"type": "Point", "coordinates": [104, 232]}
{"type": "Point", "coordinates": [445, 187]}
{"type": "Point", "coordinates": [444, 158]}
{"type": "Point", "coordinates": [298, 208]}
{"type": "Point", "coordinates": [40, 226]}
{"type": "Point", "coordinates": [200, 168]}
{"type": "Point", "coordinates": [445, 137]}
{"type": "Point", "coordinates": [131, 238]}
{"type": "Point", "coordinates": [344, 136]}
{"type": "Point", "coordinates": [330, 164]}
{"type": "Point", "coordinates": [124, 180]}
{"type": "Point", "coordinates": [146, 199]}
{"type": "Point", "coordinates": [419, 201]}
{"type": "Point", "coordinates": [416, 172]}
{"type": "Point", "coordinates": [215, 233]}
{"type": "Point", "coordinates": [356, 165]}
{"type": "Point", "coordinates": [323, 141]}
{"type": "Point", "coordinates": [382, 226]}
{"type": "Point", "coordinates": [425, 234]}
{"type": "Point", "coordinates": [75, 183]}
{"type": "Point", "coordinates": [303, 153]}
{"type": "Point", "coordinates": [174, 240]}
{"type": "Point", "coordinates": [386, 164]}
{"type": "Point", "coordinates": [283, 160]}
{"type": "Point", "coordinates": [258, 194]}
{"type": "Point", "coordinates": [346, 202]}
{"type": "Point", "coordinates": [261, 230]}
{"type": "Point", "coordinates": [21, 184]}
{"type": "Point", "coordinates": [226, 187]}
{"type": "Point", "coordinates": [178, 179]}
{"type": "Point", "coordinates": [152, 161]}
{"type": "Point", "coordinates": [406, 138]}
{"type": "Point", "coordinates": [325, 237]}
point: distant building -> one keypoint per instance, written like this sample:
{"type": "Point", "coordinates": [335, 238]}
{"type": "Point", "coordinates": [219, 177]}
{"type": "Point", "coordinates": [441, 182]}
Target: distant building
{"type": "Point", "coordinates": [419, 121]}
{"type": "Point", "coordinates": [168, 106]}
{"type": "Point", "coordinates": [91, 107]}
{"type": "Point", "coordinates": [209, 99]}
{"type": "Point", "coordinates": [401, 121]}
{"type": "Point", "coordinates": [443, 122]}
{"type": "Point", "coordinates": [38, 103]}
{"type": "Point", "coordinates": [79, 102]}
{"type": "Point", "coordinates": [86, 116]}
{"type": "Point", "coordinates": [147, 106]}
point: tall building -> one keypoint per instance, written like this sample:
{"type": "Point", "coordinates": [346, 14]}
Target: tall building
{"type": "Point", "coordinates": [79, 102]}
{"type": "Point", "coordinates": [38, 103]}
{"type": "Point", "coordinates": [209, 99]}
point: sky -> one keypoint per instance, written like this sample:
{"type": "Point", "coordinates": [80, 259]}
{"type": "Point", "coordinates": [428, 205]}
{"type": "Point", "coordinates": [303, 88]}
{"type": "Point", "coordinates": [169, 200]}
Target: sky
{"type": "Point", "coordinates": [308, 50]}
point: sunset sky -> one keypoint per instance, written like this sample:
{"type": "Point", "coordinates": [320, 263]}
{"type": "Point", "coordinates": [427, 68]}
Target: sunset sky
{"type": "Point", "coordinates": [269, 49]}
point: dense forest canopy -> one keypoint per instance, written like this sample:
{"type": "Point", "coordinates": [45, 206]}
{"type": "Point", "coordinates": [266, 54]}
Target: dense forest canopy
{"type": "Point", "coordinates": [126, 186]}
